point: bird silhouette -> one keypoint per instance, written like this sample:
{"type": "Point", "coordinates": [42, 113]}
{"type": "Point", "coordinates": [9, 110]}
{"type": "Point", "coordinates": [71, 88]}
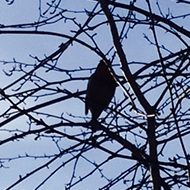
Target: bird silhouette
{"type": "Point", "coordinates": [100, 90]}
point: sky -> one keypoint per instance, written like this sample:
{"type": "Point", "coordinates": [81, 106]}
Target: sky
{"type": "Point", "coordinates": [23, 48]}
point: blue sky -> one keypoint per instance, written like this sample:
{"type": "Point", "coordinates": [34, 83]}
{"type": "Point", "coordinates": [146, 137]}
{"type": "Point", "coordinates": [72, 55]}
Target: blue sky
{"type": "Point", "coordinates": [20, 47]}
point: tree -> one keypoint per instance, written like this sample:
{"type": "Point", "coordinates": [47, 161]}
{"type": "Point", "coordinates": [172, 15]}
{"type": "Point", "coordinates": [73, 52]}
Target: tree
{"type": "Point", "coordinates": [46, 138]}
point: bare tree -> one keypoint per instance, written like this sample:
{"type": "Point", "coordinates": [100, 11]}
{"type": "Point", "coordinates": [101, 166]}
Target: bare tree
{"type": "Point", "coordinates": [142, 142]}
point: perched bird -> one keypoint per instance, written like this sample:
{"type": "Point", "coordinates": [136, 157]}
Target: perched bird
{"type": "Point", "coordinates": [100, 91]}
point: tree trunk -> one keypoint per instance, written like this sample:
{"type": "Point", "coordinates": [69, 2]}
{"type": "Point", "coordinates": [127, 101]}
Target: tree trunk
{"type": "Point", "coordinates": [154, 168]}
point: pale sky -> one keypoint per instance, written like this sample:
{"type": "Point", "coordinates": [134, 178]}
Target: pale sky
{"type": "Point", "coordinates": [20, 47]}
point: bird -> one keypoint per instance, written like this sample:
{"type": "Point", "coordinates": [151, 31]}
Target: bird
{"type": "Point", "coordinates": [100, 91]}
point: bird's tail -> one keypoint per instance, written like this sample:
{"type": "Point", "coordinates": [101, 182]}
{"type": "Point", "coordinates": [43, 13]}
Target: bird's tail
{"type": "Point", "coordinates": [95, 125]}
